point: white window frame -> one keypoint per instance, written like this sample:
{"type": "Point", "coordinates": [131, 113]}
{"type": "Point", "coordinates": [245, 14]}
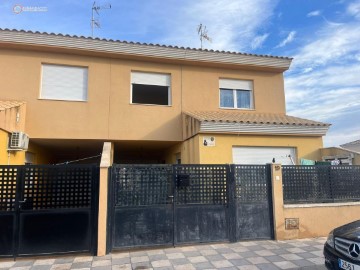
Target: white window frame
{"type": "Point", "coordinates": [165, 82]}
{"type": "Point", "coordinates": [83, 91]}
{"type": "Point", "coordinates": [231, 83]}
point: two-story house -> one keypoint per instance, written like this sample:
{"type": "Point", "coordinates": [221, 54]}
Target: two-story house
{"type": "Point", "coordinates": [157, 104]}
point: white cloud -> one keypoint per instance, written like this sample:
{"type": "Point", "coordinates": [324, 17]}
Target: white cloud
{"type": "Point", "coordinates": [333, 43]}
{"type": "Point", "coordinates": [354, 9]}
{"type": "Point", "coordinates": [232, 25]}
{"type": "Point", "coordinates": [258, 41]}
{"type": "Point", "coordinates": [287, 40]}
{"type": "Point", "coordinates": [314, 13]}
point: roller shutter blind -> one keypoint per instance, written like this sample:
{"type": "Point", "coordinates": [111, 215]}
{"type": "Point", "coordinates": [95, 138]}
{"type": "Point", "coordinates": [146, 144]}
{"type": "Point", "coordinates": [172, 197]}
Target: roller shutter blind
{"type": "Point", "coordinates": [150, 78]}
{"type": "Point", "coordinates": [64, 82]}
{"type": "Point", "coordinates": [236, 84]}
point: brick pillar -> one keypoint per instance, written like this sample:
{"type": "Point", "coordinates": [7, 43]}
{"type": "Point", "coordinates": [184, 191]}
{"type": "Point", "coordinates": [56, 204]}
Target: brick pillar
{"type": "Point", "coordinates": [278, 201]}
{"type": "Point", "coordinates": [106, 161]}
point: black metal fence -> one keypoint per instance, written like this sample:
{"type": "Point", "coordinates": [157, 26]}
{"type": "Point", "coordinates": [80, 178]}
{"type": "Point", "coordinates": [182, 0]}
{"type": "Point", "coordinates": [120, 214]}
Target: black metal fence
{"type": "Point", "coordinates": [48, 209]}
{"type": "Point", "coordinates": [321, 184]}
{"type": "Point", "coordinates": [180, 204]}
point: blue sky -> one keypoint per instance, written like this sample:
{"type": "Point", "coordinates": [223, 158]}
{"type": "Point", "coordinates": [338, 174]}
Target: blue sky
{"type": "Point", "coordinates": [322, 36]}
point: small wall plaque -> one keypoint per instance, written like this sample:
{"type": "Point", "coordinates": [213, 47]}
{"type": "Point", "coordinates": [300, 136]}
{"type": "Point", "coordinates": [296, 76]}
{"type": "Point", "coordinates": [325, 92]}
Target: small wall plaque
{"type": "Point", "coordinates": [209, 141]}
{"type": "Point", "coordinates": [291, 223]}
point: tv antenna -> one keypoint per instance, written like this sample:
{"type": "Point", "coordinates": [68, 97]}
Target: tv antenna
{"type": "Point", "coordinates": [95, 22]}
{"type": "Point", "coordinates": [203, 34]}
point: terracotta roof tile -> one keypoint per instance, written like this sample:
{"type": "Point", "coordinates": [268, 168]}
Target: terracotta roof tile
{"type": "Point", "coordinates": [252, 118]}
{"type": "Point", "coordinates": [8, 104]}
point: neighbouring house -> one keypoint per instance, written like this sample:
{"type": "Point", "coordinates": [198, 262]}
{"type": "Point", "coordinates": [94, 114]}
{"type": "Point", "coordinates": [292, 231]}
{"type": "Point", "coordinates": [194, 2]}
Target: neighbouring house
{"type": "Point", "coordinates": [344, 156]}
{"type": "Point", "coordinates": [352, 146]}
{"type": "Point", "coordinates": [157, 104]}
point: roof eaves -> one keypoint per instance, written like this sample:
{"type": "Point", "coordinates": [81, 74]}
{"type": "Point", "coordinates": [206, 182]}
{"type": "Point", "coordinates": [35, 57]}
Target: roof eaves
{"type": "Point", "coordinates": [145, 49]}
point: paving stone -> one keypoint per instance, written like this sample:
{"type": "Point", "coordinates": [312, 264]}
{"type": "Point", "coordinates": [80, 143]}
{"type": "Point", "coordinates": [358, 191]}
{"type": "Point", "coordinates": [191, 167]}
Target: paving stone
{"type": "Point", "coordinates": [184, 267]}
{"type": "Point", "coordinates": [141, 265]}
{"type": "Point", "coordinates": [107, 267]}
{"type": "Point", "coordinates": [280, 251]}
{"type": "Point", "coordinates": [248, 244]}
{"type": "Point", "coordinates": [303, 263]}
{"type": "Point", "coordinates": [192, 253]}
{"type": "Point", "coordinates": [102, 258]}
{"type": "Point", "coordinates": [307, 255]}
{"type": "Point", "coordinates": [316, 260]}
{"type": "Point", "coordinates": [23, 263]}
{"type": "Point", "coordinates": [21, 268]}
{"type": "Point", "coordinates": [118, 261]}
{"type": "Point", "coordinates": [139, 259]}
{"type": "Point", "coordinates": [224, 250]}
{"type": "Point", "coordinates": [83, 259]}
{"type": "Point", "coordinates": [274, 258]}
{"type": "Point", "coordinates": [239, 262]}
{"type": "Point", "coordinates": [232, 256]}
{"type": "Point", "coordinates": [44, 262]}
{"type": "Point", "coordinates": [80, 265]}
{"type": "Point", "coordinates": [255, 248]}
{"type": "Point", "coordinates": [164, 268]}
{"type": "Point", "coordinates": [158, 257]}
{"type": "Point", "coordinates": [6, 264]}
{"type": "Point", "coordinates": [155, 252]}
{"type": "Point", "coordinates": [257, 260]}
{"type": "Point", "coordinates": [63, 266]}
{"type": "Point", "coordinates": [217, 257]}
{"type": "Point", "coordinates": [120, 255]}
{"type": "Point", "coordinates": [267, 266]}
{"type": "Point", "coordinates": [175, 255]}
{"type": "Point", "coordinates": [248, 267]}
{"type": "Point", "coordinates": [240, 249]}
{"type": "Point", "coordinates": [203, 265]}
{"type": "Point", "coordinates": [41, 267]}
{"type": "Point", "coordinates": [285, 265]}
{"type": "Point", "coordinates": [264, 253]}
{"type": "Point", "coordinates": [122, 267]}
{"type": "Point", "coordinates": [138, 254]}
{"type": "Point", "coordinates": [64, 260]}
{"type": "Point", "coordinates": [197, 259]}
{"type": "Point", "coordinates": [270, 246]}
{"type": "Point", "coordinates": [248, 254]}
{"type": "Point", "coordinates": [161, 263]}
{"type": "Point", "coordinates": [222, 264]}
{"type": "Point", "coordinates": [290, 257]}
{"type": "Point", "coordinates": [295, 250]}
{"type": "Point", "coordinates": [208, 252]}
{"type": "Point", "coordinates": [309, 248]}
{"type": "Point", "coordinates": [101, 263]}
{"type": "Point", "coordinates": [181, 261]}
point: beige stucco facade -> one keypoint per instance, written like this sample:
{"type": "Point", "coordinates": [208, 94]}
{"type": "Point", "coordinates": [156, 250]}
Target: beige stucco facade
{"type": "Point", "coordinates": [108, 115]}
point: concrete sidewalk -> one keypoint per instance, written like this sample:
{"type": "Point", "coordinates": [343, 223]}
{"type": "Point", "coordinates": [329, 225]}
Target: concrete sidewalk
{"type": "Point", "coordinates": [252, 255]}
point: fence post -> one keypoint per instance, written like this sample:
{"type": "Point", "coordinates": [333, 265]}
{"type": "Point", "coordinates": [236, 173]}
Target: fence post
{"type": "Point", "coordinates": [278, 201]}
{"type": "Point", "coordinates": [232, 217]}
{"type": "Point", "coordinates": [106, 162]}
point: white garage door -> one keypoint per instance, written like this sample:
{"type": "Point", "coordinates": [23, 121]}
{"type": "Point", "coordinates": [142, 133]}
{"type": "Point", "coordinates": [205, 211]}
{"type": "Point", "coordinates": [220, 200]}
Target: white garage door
{"type": "Point", "coordinates": [263, 155]}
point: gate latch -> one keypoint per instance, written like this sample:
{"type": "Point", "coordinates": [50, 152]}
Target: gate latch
{"type": "Point", "coordinates": [171, 197]}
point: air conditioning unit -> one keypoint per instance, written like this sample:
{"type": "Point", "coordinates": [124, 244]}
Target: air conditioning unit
{"type": "Point", "coordinates": [19, 140]}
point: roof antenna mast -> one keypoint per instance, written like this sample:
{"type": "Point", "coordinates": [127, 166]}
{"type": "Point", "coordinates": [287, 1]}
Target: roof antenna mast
{"type": "Point", "coordinates": [95, 22]}
{"type": "Point", "coordinates": [203, 34]}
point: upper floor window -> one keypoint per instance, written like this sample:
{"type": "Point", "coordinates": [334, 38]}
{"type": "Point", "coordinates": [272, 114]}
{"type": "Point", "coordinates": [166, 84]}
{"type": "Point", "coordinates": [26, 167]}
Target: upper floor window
{"type": "Point", "coordinates": [150, 88]}
{"type": "Point", "coordinates": [236, 94]}
{"type": "Point", "coordinates": [64, 82]}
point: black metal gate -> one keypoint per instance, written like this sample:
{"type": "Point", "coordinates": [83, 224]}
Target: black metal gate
{"type": "Point", "coordinates": [47, 209]}
{"type": "Point", "coordinates": [253, 202]}
{"type": "Point", "coordinates": [168, 205]}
